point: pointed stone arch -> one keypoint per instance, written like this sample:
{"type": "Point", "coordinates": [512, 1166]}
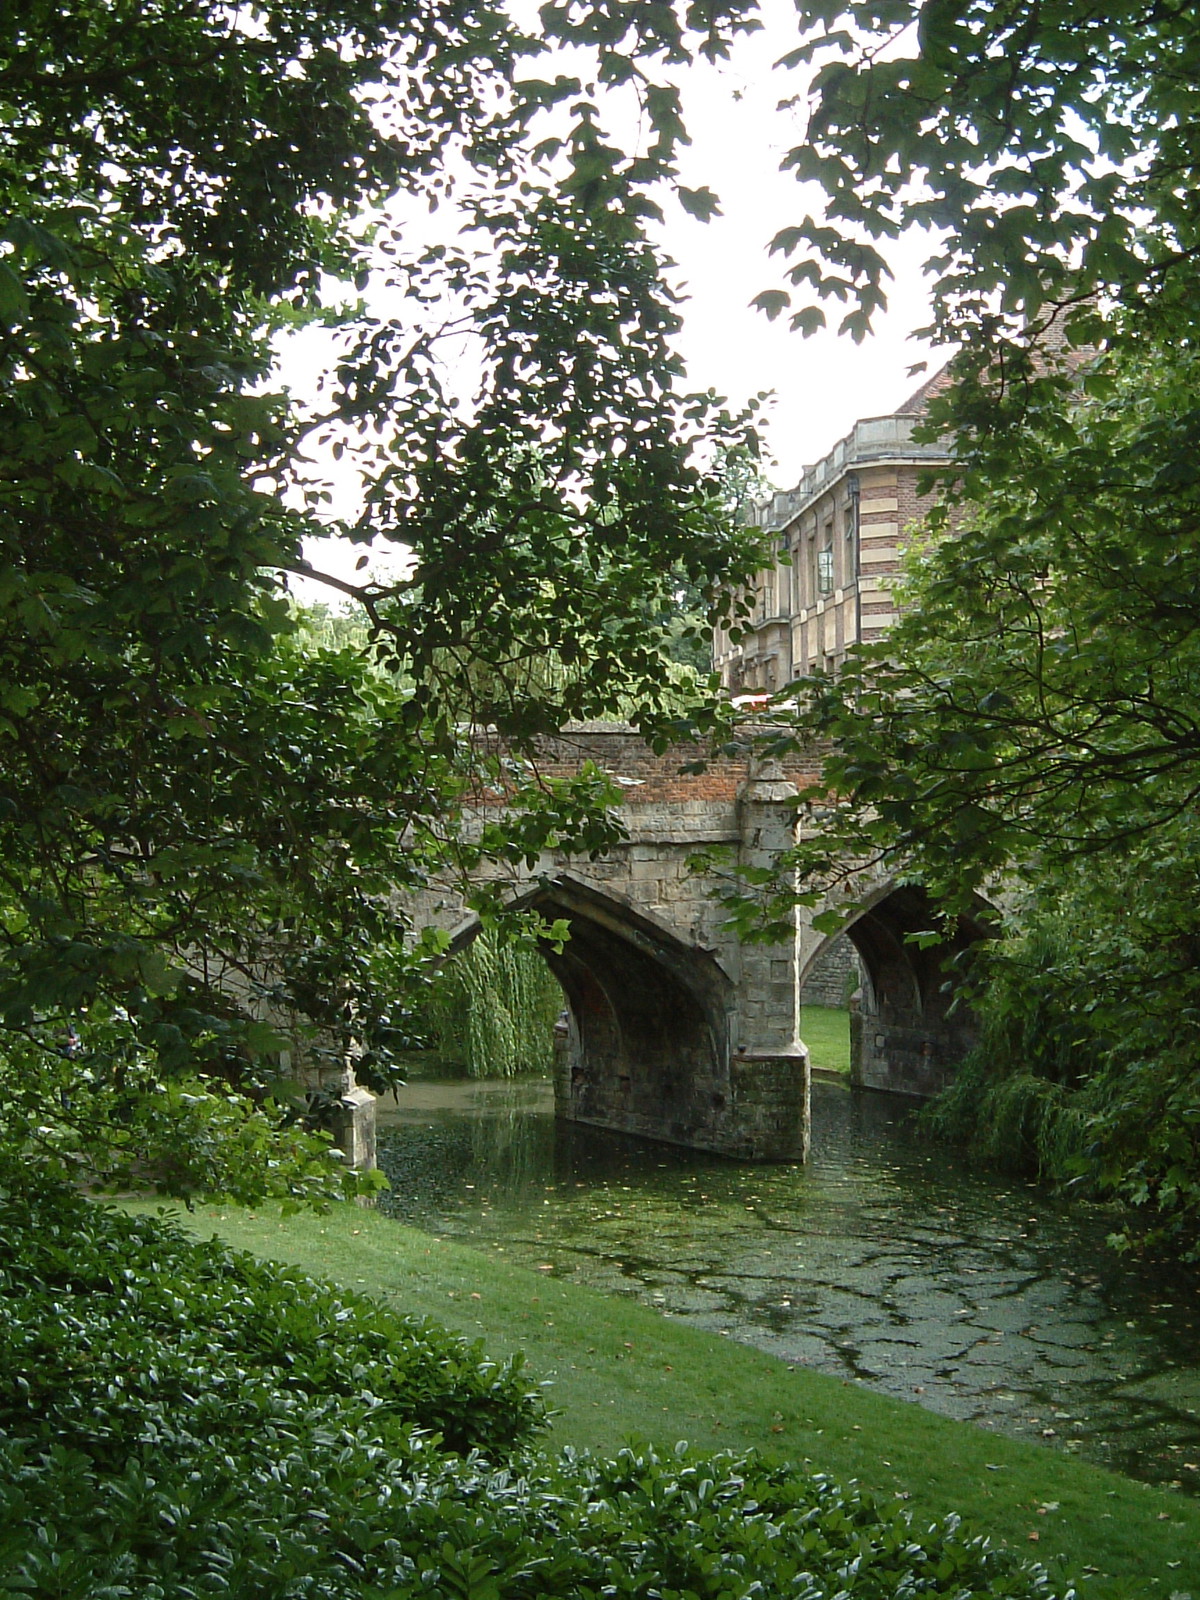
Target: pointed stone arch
{"type": "Point", "coordinates": [907, 1034]}
{"type": "Point", "coordinates": [648, 1046]}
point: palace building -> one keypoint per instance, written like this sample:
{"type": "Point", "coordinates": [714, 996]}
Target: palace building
{"type": "Point", "coordinates": [837, 534]}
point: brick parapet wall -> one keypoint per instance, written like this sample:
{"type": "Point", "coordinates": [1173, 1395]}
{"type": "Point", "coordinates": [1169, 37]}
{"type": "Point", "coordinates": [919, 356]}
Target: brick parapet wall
{"type": "Point", "coordinates": [647, 779]}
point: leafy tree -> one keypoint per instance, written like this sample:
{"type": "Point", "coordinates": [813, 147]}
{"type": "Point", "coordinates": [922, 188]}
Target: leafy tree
{"type": "Point", "coordinates": [324, 627]}
{"type": "Point", "coordinates": [689, 638]}
{"type": "Point", "coordinates": [1050, 151]}
{"type": "Point", "coordinates": [203, 821]}
{"type": "Point", "coordinates": [1030, 724]}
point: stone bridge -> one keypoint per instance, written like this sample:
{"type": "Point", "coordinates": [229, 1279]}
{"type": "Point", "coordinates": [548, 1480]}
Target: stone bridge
{"type": "Point", "coordinates": [676, 1030]}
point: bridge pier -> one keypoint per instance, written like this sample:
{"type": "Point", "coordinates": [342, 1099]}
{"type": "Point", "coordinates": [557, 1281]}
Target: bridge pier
{"type": "Point", "coordinates": [689, 1040]}
{"type": "Point", "coordinates": [756, 1109]}
{"type": "Point", "coordinates": [651, 1041]}
{"type": "Point", "coordinates": [769, 1068]}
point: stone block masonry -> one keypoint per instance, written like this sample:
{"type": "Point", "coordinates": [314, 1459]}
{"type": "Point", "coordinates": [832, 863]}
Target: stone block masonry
{"type": "Point", "coordinates": [834, 976]}
{"type": "Point", "coordinates": [674, 1029]}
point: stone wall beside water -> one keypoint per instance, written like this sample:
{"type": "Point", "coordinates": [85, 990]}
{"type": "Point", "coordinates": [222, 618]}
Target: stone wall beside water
{"type": "Point", "coordinates": [833, 976]}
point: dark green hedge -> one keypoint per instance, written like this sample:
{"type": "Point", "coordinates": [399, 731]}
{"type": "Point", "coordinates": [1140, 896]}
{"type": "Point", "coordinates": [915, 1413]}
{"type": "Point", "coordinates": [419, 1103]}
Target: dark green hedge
{"type": "Point", "coordinates": [118, 1333]}
{"type": "Point", "coordinates": [179, 1421]}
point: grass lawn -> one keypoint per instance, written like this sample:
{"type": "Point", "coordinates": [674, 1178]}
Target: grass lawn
{"type": "Point", "coordinates": [617, 1369]}
{"type": "Point", "coordinates": [826, 1032]}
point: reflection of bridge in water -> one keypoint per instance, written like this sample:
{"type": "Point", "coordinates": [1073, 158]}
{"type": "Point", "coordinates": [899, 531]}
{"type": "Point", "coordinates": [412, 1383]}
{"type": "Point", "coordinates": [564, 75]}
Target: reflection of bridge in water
{"type": "Point", "coordinates": [677, 1031]}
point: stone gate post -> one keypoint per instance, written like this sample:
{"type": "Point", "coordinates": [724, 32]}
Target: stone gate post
{"type": "Point", "coordinates": [317, 1066]}
{"type": "Point", "coordinates": [354, 1123]}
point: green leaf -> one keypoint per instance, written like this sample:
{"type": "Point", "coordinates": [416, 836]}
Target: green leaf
{"type": "Point", "coordinates": [14, 299]}
{"type": "Point", "coordinates": [701, 203]}
{"type": "Point", "coordinates": [772, 301]}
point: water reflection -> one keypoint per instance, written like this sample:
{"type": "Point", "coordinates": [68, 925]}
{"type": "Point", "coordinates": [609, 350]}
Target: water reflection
{"type": "Point", "coordinates": [885, 1259]}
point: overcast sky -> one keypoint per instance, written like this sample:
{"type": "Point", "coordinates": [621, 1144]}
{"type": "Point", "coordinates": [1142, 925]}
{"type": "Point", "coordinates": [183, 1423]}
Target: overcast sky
{"type": "Point", "coordinates": [822, 384]}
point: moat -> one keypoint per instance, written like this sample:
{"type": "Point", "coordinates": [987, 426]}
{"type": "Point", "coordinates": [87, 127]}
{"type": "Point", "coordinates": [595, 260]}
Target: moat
{"type": "Point", "coordinates": [886, 1260]}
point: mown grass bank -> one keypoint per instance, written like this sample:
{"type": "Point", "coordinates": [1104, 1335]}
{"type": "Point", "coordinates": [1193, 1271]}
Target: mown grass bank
{"type": "Point", "coordinates": [618, 1369]}
{"type": "Point", "coordinates": [826, 1032]}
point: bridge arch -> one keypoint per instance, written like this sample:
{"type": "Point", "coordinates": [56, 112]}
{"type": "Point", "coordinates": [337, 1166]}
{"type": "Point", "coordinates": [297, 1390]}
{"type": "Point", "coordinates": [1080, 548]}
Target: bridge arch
{"type": "Point", "coordinates": [647, 1046]}
{"type": "Point", "coordinates": [647, 1041]}
{"type": "Point", "coordinates": [906, 1034]}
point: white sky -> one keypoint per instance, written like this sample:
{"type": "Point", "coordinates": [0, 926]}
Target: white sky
{"type": "Point", "coordinates": [823, 384]}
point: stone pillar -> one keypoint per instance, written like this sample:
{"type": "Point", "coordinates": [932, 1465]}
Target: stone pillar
{"type": "Point", "coordinates": [910, 1029]}
{"type": "Point", "coordinates": [354, 1128]}
{"type": "Point", "coordinates": [325, 1077]}
{"type": "Point", "coordinates": [566, 1060]}
{"type": "Point", "coordinates": [769, 1070]}
{"type": "Point", "coordinates": [350, 1110]}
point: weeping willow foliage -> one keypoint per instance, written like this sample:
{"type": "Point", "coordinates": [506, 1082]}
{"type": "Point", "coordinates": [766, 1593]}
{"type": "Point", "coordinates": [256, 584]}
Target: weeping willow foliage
{"type": "Point", "coordinates": [1088, 1064]}
{"type": "Point", "coordinates": [1023, 1097]}
{"type": "Point", "coordinates": [493, 1008]}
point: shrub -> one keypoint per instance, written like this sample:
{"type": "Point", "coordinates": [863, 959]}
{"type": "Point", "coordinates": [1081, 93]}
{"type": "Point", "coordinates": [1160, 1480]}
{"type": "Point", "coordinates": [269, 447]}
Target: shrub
{"type": "Point", "coordinates": [119, 1332]}
{"type": "Point", "coordinates": [349, 1525]}
{"type": "Point", "coordinates": [1021, 1096]}
{"type": "Point", "coordinates": [178, 1421]}
{"type": "Point", "coordinates": [1089, 1012]}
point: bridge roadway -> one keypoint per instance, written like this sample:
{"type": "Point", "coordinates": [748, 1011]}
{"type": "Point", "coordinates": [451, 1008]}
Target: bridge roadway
{"type": "Point", "coordinates": [676, 1030]}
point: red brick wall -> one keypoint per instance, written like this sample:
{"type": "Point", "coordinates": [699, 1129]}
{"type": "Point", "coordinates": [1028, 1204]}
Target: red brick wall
{"type": "Point", "coordinates": [658, 779]}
